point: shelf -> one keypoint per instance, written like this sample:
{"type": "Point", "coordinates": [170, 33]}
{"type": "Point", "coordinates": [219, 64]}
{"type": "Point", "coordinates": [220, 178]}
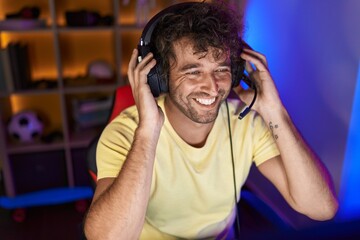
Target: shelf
{"type": "Point", "coordinates": [35, 147]}
{"type": "Point", "coordinates": [60, 56]}
{"type": "Point", "coordinates": [32, 30]}
{"type": "Point", "coordinates": [26, 92]}
{"type": "Point", "coordinates": [121, 28]}
{"type": "Point", "coordinates": [129, 27]}
{"type": "Point", "coordinates": [90, 89]}
{"type": "Point", "coordinates": [85, 29]}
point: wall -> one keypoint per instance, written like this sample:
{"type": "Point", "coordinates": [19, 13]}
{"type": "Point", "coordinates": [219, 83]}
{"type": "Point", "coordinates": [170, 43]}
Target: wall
{"type": "Point", "coordinates": [313, 49]}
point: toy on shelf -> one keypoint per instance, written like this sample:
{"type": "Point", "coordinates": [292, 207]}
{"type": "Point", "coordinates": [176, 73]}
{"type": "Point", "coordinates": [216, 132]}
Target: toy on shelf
{"type": "Point", "coordinates": [25, 126]}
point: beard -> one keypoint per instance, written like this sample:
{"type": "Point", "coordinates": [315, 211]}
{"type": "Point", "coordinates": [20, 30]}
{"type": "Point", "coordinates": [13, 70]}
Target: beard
{"type": "Point", "coordinates": [191, 109]}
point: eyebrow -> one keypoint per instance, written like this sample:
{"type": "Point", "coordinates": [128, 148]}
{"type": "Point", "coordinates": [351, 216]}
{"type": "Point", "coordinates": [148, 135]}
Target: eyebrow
{"type": "Point", "coordinates": [189, 66]}
{"type": "Point", "coordinates": [196, 65]}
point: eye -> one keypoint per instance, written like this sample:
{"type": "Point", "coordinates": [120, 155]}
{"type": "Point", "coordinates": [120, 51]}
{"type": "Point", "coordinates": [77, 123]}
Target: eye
{"type": "Point", "coordinates": [195, 72]}
{"type": "Point", "coordinates": [223, 69]}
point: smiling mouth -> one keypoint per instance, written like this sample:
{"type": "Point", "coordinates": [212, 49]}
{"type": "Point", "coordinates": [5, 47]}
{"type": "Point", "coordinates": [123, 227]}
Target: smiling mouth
{"type": "Point", "coordinates": [205, 101]}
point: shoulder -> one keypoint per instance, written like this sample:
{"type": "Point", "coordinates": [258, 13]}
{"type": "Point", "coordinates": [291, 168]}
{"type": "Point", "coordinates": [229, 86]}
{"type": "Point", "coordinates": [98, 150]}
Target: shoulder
{"type": "Point", "coordinates": [122, 126]}
{"type": "Point", "coordinates": [252, 126]}
{"type": "Point", "coordinates": [129, 114]}
{"type": "Point", "coordinates": [235, 106]}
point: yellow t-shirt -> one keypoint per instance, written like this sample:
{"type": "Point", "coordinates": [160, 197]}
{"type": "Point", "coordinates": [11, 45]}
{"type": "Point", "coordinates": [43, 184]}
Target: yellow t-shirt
{"type": "Point", "coordinates": [192, 191]}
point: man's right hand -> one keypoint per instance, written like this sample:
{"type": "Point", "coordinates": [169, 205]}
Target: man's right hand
{"type": "Point", "coordinates": [150, 114]}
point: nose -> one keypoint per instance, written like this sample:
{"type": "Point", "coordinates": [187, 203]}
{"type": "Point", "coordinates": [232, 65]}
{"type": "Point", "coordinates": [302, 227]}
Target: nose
{"type": "Point", "coordinates": [210, 84]}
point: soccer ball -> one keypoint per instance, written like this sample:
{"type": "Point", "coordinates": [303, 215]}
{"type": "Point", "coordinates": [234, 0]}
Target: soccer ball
{"type": "Point", "coordinates": [25, 126]}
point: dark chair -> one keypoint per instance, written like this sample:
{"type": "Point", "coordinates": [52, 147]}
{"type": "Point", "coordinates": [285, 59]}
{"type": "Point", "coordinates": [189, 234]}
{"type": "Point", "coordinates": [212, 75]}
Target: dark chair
{"type": "Point", "coordinates": [123, 98]}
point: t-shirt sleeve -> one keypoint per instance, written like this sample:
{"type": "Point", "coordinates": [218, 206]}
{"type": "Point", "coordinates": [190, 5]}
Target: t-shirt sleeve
{"type": "Point", "coordinates": [264, 144]}
{"type": "Point", "coordinates": [114, 145]}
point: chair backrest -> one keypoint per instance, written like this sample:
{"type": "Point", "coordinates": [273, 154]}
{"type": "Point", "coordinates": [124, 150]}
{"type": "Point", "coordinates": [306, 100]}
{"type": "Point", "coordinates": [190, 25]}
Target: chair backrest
{"type": "Point", "coordinates": [123, 98]}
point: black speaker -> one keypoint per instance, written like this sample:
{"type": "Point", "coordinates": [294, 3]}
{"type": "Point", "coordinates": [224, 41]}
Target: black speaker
{"type": "Point", "coordinates": [159, 84]}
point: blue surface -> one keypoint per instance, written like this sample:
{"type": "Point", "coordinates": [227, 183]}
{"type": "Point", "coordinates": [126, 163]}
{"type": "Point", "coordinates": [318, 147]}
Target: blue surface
{"type": "Point", "coordinates": [350, 184]}
{"type": "Point", "coordinates": [46, 197]}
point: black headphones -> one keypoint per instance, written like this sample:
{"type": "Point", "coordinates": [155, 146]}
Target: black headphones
{"type": "Point", "coordinates": [155, 77]}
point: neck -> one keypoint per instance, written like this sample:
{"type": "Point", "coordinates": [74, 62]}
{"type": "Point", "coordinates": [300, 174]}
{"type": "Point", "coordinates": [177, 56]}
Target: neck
{"type": "Point", "coordinates": [193, 133]}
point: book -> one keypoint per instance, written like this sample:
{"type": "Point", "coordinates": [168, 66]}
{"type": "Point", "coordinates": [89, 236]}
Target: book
{"type": "Point", "coordinates": [3, 87]}
{"type": "Point", "coordinates": [14, 65]}
{"type": "Point", "coordinates": [19, 64]}
{"type": "Point", "coordinates": [6, 67]}
{"type": "Point", "coordinates": [24, 65]}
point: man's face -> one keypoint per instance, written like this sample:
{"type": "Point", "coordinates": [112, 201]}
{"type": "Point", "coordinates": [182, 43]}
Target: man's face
{"type": "Point", "coordinates": [198, 83]}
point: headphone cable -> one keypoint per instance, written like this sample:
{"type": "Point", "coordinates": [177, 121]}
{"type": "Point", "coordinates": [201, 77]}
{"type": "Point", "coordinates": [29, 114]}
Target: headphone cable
{"type": "Point", "coordinates": [233, 171]}
{"type": "Point", "coordinates": [247, 109]}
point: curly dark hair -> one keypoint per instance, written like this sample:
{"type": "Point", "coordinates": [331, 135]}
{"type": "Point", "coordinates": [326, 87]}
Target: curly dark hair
{"type": "Point", "coordinates": [207, 24]}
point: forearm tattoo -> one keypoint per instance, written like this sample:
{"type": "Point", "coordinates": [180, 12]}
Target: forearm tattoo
{"type": "Point", "coordinates": [272, 129]}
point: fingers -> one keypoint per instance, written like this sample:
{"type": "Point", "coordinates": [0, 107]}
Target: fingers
{"type": "Point", "coordinates": [257, 67]}
{"type": "Point", "coordinates": [256, 55]}
{"type": "Point", "coordinates": [132, 62]}
{"type": "Point", "coordinates": [249, 68]}
{"type": "Point", "coordinates": [254, 60]}
{"type": "Point", "coordinates": [137, 72]}
{"type": "Point", "coordinates": [146, 64]}
{"type": "Point", "coordinates": [132, 65]}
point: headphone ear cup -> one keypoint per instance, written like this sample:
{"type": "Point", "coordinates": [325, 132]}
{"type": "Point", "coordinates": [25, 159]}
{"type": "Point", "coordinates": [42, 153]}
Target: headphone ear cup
{"type": "Point", "coordinates": [156, 83]}
{"type": "Point", "coordinates": [162, 79]}
{"type": "Point", "coordinates": [238, 68]}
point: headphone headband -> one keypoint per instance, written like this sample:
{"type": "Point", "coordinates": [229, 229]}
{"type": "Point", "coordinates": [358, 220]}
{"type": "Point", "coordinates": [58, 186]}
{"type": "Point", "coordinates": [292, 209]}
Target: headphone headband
{"type": "Point", "coordinates": [150, 26]}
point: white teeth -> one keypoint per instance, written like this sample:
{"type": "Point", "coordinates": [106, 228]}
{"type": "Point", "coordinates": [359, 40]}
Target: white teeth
{"type": "Point", "coordinates": [206, 101]}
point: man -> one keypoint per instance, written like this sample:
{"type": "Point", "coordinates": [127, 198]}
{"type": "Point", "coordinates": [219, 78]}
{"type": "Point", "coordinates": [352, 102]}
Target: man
{"type": "Point", "coordinates": [165, 165]}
